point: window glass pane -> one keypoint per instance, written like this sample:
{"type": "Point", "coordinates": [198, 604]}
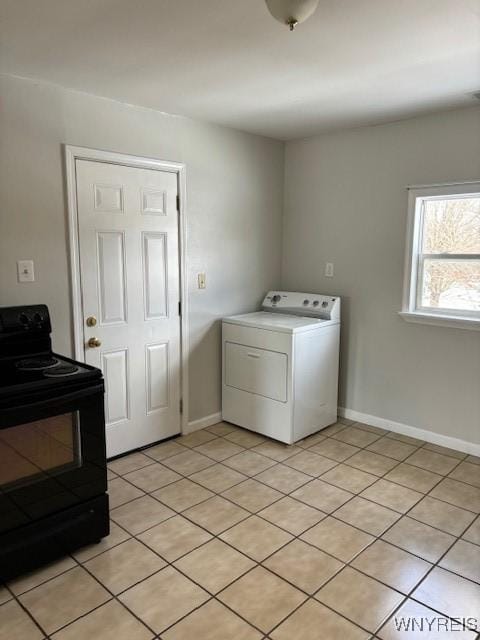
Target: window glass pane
{"type": "Point", "coordinates": [451, 226]}
{"type": "Point", "coordinates": [451, 284]}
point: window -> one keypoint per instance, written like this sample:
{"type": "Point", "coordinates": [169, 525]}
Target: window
{"type": "Point", "coordinates": [442, 273]}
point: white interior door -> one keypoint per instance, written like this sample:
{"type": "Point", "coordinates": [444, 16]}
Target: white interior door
{"type": "Point", "coordinates": [129, 271]}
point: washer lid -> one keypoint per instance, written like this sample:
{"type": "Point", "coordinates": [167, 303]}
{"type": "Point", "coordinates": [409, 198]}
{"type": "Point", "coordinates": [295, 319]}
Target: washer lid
{"type": "Point", "coordinates": [285, 323]}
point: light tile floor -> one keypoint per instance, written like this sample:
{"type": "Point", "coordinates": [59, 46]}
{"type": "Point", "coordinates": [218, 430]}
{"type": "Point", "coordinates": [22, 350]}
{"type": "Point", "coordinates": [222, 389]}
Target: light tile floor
{"type": "Point", "coordinates": [223, 534]}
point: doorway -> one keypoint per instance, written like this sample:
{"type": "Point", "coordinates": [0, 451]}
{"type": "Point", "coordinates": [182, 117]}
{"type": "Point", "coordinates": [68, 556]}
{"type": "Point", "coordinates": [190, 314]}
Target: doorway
{"type": "Point", "coordinates": [127, 247]}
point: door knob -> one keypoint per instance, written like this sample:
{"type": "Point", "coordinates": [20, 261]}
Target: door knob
{"type": "Point", "coordinates": [91, 321]}
{"type": "Point", "coordinates": [94, 342]}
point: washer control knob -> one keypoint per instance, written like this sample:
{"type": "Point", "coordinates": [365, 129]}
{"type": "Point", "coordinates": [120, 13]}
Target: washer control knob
{"type": "Point", "coordinates": [316, 303]}
{"type": "Point", "coordinates": [324, 303]}
{"type": "Point", "coordinates": [276, 298]}
{"type": "Point", "coordinates": [305, 302]}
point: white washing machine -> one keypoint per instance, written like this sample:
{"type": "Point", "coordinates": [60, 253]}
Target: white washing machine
{"type": "Point", "coordinates": [280, 365]}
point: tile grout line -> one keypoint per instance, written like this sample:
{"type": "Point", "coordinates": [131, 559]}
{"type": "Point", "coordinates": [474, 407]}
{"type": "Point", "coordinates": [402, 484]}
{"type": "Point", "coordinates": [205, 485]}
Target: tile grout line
{"type": "Point", "coordinates": [81, 565]}
{"type": "Point", "coordinates": [215, 536]}
{"type": "Point", "coordinates": [376, 538]}
{"type": "Point", "coordinates": [246, 477]}
{"type": "Point", "coordinates": [83, 615]}
{"type": "Point", "coordinates": [433, 566]}
{"type": "Point", "coordinates": [250, 513]}
{"type": "Point", "coordinates": [258, 563]}
{"type": "Point", "coordinates": [114, 596]}
{"type": "Point", "coordinates": [277, 462]}
{"type": "Point", "coordinates": [347, 564]}
{"type": "Point", "coordinates": [295, 537]}
{"type": "Point", "coordinates": [30, 615]}
{"type": "Point", "coordinates": [437, 563]}
{"type": "Point", "coordinates": [403, 514]}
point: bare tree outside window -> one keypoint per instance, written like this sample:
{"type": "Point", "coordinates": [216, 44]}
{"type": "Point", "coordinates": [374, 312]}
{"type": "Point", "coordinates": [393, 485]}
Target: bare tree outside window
{"type": "Point", "coordinates": [450, 254]}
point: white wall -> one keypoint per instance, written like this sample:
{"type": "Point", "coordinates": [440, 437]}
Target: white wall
{"type": "Point", "coordinates": [234, 192]}
{"type": "Point", "coordinates": [346, 203]}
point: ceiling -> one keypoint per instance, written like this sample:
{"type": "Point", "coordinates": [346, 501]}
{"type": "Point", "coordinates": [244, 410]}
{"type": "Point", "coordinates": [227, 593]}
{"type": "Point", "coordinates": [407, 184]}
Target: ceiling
{"type": "Point", "coordinates": [355, 62]}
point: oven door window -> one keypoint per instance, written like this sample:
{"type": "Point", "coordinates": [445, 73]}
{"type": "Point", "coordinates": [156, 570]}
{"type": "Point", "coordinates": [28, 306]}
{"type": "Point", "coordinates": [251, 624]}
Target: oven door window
{"type": "Point", "coordinates": [38, 450]}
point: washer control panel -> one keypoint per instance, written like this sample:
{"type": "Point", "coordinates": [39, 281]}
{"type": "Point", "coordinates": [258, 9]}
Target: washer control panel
{"type": "Point", "coordinates": [303, 304]}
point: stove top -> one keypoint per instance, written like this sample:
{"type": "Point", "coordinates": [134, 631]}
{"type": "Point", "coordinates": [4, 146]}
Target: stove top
{"type": "Point", "coordinates": [27, 362]}
{"type": "Point", "coordinates": [27, 374]}
{"type": "Point", "coordinates": [39, 363]}
{"type": "Point", "coordinates": [61, 371]}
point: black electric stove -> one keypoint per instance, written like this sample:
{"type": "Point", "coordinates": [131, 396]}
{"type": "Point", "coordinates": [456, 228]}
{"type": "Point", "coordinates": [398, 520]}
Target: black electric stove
{"type": "Point", "coordinates": [42, 373]}
{"type": "Point", "coordinates": [53, 475]}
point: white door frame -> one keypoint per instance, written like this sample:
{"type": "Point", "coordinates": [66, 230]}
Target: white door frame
{"type": "Point", "coordinates": [73, 153]}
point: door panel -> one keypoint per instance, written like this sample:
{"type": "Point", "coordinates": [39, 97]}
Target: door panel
{"type": "Point", "coordinates": [111, 276]}
{"type": "Point", "coordinates": [129, 263]}
{"type": "Point", "coordinates": [115, 369]}
{"type": "Point", "coordinates": [157, 376]}
{"type": "Point", "coordinates": [155, 279]}
{"type": "Point", "coordinates": [154, 202]}
{"type": "Point", "coordinates": [108, 197]}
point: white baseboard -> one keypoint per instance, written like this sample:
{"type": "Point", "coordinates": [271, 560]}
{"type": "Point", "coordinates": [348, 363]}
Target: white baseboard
{"type": "Point", "coordinates": [207, 421]}
{"type": "Point", "coordinates": [414, 432]}
{"type": "Point", "coordinates": [375, 421]}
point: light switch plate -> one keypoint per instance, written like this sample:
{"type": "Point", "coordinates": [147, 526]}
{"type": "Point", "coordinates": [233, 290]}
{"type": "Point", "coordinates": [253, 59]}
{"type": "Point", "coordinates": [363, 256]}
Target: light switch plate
{"type": "Point", "coordinates": [25, 271]}
{"type": "Point", "coordinates": [329, 269]}
{"type": "Point", "coordinates": [202, 281]}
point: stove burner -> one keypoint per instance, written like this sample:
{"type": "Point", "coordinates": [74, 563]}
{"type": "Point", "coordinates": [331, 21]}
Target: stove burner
{"type": "Point", "coordinates": [60, 371]}
{"type": "Point", "coordinates": [36, 364]}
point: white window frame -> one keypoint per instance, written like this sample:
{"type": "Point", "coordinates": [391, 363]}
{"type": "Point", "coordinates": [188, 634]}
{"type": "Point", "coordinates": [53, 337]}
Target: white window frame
{"type": "Point", "coordinates": [412, 311]}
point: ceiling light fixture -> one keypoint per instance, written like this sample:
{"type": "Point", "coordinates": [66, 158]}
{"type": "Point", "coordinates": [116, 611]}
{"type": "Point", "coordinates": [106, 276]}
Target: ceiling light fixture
{"type": "Point", "coordinates": [291, 12]}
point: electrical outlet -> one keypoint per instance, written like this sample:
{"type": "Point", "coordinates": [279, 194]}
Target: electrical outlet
{"type": "Point", "coordinates": [329, 269]}
{"type": "Point", "coordinates": [25, 272]}
{"type": "Point", "coordinates": [202, 281]}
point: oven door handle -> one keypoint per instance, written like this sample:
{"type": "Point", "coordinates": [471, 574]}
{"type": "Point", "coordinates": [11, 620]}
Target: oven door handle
{"type": "Point", "coordinates": [55, 400]}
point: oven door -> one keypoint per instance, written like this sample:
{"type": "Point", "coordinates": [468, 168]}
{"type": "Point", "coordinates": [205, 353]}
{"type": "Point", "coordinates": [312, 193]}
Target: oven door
{"type": "Point", "coordinates": [52, 454]}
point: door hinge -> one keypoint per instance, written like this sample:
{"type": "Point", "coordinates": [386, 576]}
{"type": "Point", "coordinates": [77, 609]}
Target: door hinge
{"type": "Point", "coordinates": [178, 203]}
{"type": "Point", "coordinates": [179, 308]}
{"type": "Point", "coordinates": [181, 406]}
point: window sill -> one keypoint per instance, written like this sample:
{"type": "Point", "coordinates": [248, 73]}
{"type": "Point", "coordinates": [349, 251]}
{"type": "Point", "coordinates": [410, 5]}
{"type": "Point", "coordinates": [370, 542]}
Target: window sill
{"type": "Point", "coordinates": [456, 322]}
